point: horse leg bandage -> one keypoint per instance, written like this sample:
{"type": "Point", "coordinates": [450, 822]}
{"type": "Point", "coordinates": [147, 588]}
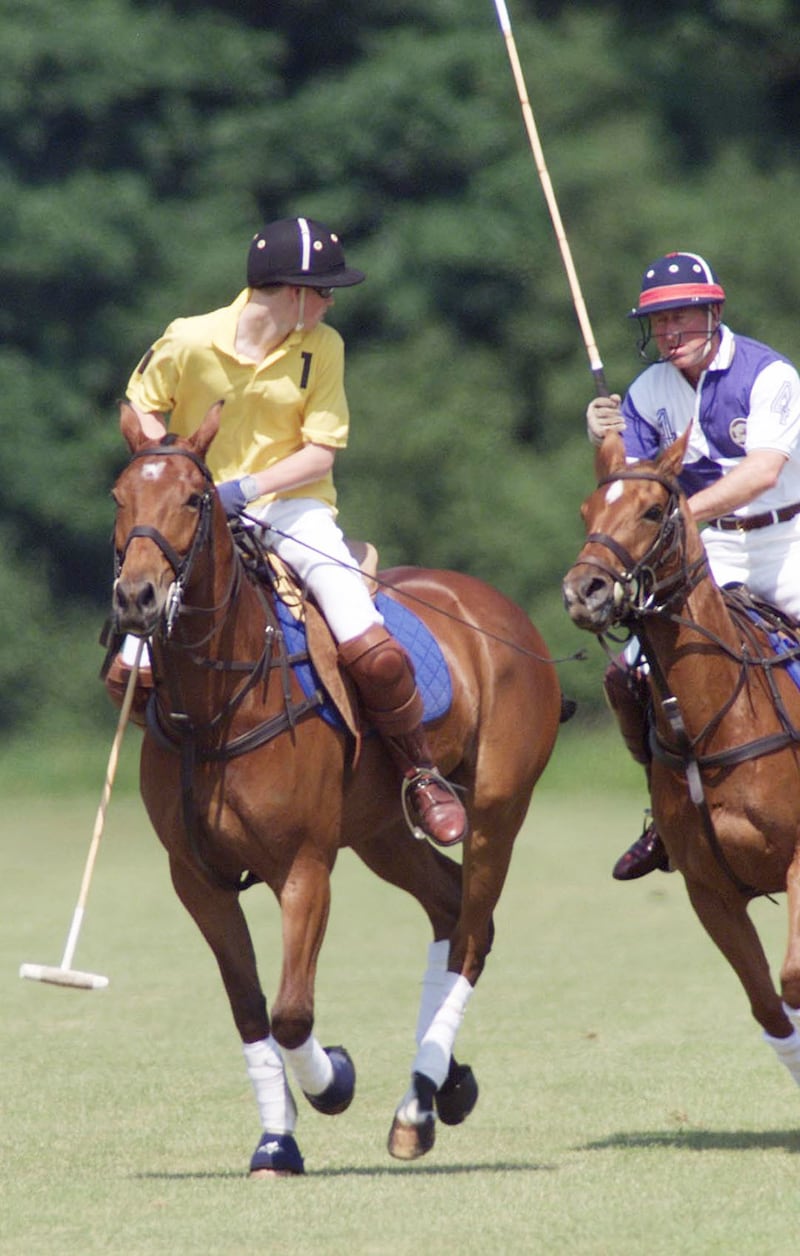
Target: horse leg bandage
{"type": "Point", "coordinates": [794, 1015]}
{"type": "Point", "coordinates": [787, 1051]}
{"type": "Point", "coordinates": [273, 1096]}
{"type": "Point", "coordinates": [436, 1048]}
{"type": "Point", "coordinates": [310, 1065]}
{"type": "Point", "coordinates": [434, 986]}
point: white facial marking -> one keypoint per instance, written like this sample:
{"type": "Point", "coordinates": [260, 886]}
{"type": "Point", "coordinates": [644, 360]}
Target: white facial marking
{"type": "Point", "coordinates": [614, 492]}
{"type": "Point", "coordinates": [153, 470]}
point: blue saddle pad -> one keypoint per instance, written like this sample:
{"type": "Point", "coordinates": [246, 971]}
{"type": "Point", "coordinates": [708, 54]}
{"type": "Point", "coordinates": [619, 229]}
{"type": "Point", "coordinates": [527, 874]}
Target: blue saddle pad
{"type": "Point", "coordinates": [433, 676]}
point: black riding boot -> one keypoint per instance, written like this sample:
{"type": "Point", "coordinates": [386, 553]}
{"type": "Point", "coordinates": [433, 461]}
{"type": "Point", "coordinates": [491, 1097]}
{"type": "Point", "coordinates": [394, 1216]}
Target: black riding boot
{"type": "Point", "coordinates": [628, 695]}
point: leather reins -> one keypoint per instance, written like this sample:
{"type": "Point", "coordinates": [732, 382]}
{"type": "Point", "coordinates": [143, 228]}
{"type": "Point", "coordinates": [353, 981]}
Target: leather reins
{"type": "Point", "coordinates": [642, 597]}
{"type": "Point", "coordinates": [173, 729]}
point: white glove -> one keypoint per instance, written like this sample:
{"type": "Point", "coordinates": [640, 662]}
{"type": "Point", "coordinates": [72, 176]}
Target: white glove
{"type": "Point", "coordinates": [604, 415]}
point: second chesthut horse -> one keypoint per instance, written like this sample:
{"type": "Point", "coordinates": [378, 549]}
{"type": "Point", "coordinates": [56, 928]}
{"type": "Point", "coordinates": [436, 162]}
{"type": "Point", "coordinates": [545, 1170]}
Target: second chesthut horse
{"type": "Point", "coordinates": [725, 703]}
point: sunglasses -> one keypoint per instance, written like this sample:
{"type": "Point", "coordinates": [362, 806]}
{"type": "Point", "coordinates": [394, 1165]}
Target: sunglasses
{"type": "Point", "coordinates": [323, 292]}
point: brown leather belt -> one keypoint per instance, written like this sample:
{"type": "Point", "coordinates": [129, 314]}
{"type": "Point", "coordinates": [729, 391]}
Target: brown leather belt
{"type": "Point", "coordinates": [748, 523]}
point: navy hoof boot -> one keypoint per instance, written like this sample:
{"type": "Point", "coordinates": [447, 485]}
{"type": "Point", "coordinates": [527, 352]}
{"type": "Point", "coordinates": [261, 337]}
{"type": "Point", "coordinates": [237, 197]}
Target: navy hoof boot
{"type": "Point", "coordinates": [276, 1153]}
{"type": "Point", "coordinates": [457, 1095]}
{"type": "Point", "coordinates": [338, 1094]}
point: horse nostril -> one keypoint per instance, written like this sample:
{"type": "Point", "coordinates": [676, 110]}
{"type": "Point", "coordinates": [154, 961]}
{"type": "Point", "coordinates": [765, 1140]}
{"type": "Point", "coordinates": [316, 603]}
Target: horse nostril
{"type": "Point", "coordinates": [146, 598]}
{"type": "Point", "coordinates": [594, 587]}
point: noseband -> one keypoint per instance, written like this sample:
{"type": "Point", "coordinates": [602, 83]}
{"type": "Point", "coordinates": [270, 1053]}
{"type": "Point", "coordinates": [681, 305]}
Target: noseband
{"type": "Point", "coordinates": [181, 564]}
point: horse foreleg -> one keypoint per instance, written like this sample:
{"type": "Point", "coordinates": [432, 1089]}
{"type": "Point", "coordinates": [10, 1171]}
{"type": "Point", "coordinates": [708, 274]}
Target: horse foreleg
{"type": "Point", "coordinates": [731, 928]}
{"type": "Point", "coordinates": [442, 1005]}
{"type": "Point", "coordinates": [790, 971]}
{"type": "Point", "coordinates": [788, 1048]}
{"type": "Point", "coordinates": [219, 917]}
{"type": "Point", "coordinates": [325, 1074]}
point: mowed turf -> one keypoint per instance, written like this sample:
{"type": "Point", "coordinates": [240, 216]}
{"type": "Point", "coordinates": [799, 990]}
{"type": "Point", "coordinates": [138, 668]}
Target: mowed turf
{"type": "Point", "coordinates": [627, 1102]}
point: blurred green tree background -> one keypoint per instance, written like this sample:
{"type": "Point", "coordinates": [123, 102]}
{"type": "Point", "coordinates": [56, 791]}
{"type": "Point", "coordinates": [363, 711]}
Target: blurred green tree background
{"type": "Point", "coordinates": [142, 142]}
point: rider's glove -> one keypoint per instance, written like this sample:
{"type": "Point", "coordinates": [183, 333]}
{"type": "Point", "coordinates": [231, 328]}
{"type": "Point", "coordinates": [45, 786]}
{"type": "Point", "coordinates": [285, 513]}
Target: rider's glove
{"type": "Point", "coordinates": [604, 415]}
{"type": "Point", "coordinates": [235, 494]}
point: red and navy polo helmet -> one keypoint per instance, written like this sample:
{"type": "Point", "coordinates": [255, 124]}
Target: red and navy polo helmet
{"type": "Point", "coordinates": [676, 280]}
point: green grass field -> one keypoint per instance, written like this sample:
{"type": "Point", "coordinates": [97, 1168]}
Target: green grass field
{"type": "Point", "coordinates": [627, 1103]}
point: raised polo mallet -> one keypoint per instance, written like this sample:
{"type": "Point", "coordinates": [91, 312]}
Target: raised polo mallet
{"type": "Point", "coordinates": [595, 362]}
{"type": "Point", "coordinates": [65, 975]}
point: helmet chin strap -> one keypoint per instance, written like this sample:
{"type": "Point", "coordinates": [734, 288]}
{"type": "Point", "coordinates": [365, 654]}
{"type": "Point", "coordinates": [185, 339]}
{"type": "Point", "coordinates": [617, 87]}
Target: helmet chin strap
{"type": "Point", "coordinates": [711, 329]}
{"type": "Point", "coordinates": [301, 311]}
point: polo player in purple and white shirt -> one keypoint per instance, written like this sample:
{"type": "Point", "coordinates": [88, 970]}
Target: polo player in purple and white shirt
{"type": "Point", "coordinates": [741, 474]}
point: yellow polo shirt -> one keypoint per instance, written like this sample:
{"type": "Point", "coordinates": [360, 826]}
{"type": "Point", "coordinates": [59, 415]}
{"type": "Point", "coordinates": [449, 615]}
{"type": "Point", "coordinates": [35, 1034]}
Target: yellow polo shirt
{"type": "Point", "coordinates": [272, 408]}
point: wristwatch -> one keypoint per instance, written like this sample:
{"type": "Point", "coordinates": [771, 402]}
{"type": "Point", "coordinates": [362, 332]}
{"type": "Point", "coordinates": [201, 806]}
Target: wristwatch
{"type": "Point", "coordinates": [249, 486]}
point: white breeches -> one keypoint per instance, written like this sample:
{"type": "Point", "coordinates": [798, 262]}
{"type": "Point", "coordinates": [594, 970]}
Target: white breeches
{"type": "Point", "coordinates": [767, 560]}
{"type": "Point", "coordinates": [314, 548]}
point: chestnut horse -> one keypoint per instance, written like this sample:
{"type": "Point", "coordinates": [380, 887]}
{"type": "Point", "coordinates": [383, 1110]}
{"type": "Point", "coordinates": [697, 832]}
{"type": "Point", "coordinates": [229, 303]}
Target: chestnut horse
{"type": "Point", "coordinates": [239, 777]}
{"type": "Point", "coordinates": [725, 779]}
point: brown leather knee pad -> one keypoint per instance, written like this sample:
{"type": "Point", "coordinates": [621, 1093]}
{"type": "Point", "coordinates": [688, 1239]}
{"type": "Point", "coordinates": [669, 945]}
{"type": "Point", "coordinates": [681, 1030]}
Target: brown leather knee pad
{"type": "Point", "coordinates": [384, 676]}
{"type": "Point", "coordinates": [628, 696]}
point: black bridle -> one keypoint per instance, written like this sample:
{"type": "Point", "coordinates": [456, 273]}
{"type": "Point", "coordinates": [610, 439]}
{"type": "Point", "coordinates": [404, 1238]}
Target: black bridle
{"type": "Point", "coordinates": [638, 589]}
{"type": "Point", "coordinates": [644, 594]}
{"type": "Point", "coordinates": [181, 564]}
{"type": "Point", "coordinates": [174, 730]}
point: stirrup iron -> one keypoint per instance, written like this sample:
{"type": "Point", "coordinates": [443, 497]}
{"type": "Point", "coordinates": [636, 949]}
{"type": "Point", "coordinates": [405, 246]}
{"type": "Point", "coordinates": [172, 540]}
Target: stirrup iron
{"type": "Point", "coordinates": [410, 781]}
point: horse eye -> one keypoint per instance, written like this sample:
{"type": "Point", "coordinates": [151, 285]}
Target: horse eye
{"type": "Point", "coordinates": [194, 500]}
{"type": "Point", "coordinates": [653, 514]}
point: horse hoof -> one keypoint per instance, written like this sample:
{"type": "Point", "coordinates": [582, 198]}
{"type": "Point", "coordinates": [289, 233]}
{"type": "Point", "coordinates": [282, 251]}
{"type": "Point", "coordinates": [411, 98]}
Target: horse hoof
{"type": "Point", "coordinates": [457, 1095]}
{"type": "Point", "coordinates": [408, 1140]}
{"type": "Point", "coordinates": [277, 1155]}
{"type": "Point", "coordinates": [338, 1094]}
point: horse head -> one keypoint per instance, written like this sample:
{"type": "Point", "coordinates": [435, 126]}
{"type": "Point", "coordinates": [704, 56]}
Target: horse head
{"type": "Point", "coordinates": [165, 502]}
{"type": "Point", "coordinates": [635, 552]}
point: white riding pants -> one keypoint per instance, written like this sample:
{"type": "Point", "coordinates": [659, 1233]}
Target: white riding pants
{"type": "Point", "coordinates": [767, 560]}
{"type": "Point", "coordinates": [307, 537]}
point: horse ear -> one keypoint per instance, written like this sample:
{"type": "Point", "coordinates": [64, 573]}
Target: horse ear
{"type": "Point", "coordinates": [131, 427]}
{"type": "Point", "coordinates": [609, 456]}
{"type": "Point", "coordinates": [207, 430]}
{"type": "Point", "coordinates": [671, 461]}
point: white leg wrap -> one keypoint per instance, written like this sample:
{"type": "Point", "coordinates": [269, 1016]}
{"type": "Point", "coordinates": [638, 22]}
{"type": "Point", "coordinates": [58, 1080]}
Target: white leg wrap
{"type": "Point", "coordinates": [433, 1055]}
{"type": "Point", "coordinates": [435, 986]}
{"type": "Point", "coordinates": [787, 1051]}
{"type": "Point", "coordinates": [311, 1067]}
{"type": "Point", "coordinates": [273, 1096]}
{"type": "Point", "coordinates": [793, 1013]}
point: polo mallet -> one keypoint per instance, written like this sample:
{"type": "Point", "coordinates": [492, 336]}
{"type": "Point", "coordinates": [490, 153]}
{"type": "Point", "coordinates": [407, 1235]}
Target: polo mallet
{"type": "Point", "coordinates": [595, 362]}
{"type": "Point", "coordinates": [64, 975]}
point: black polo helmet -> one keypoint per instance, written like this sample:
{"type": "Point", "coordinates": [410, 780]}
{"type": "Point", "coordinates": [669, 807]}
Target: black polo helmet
{"type": "Point", "coordinates": [298, 252]}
